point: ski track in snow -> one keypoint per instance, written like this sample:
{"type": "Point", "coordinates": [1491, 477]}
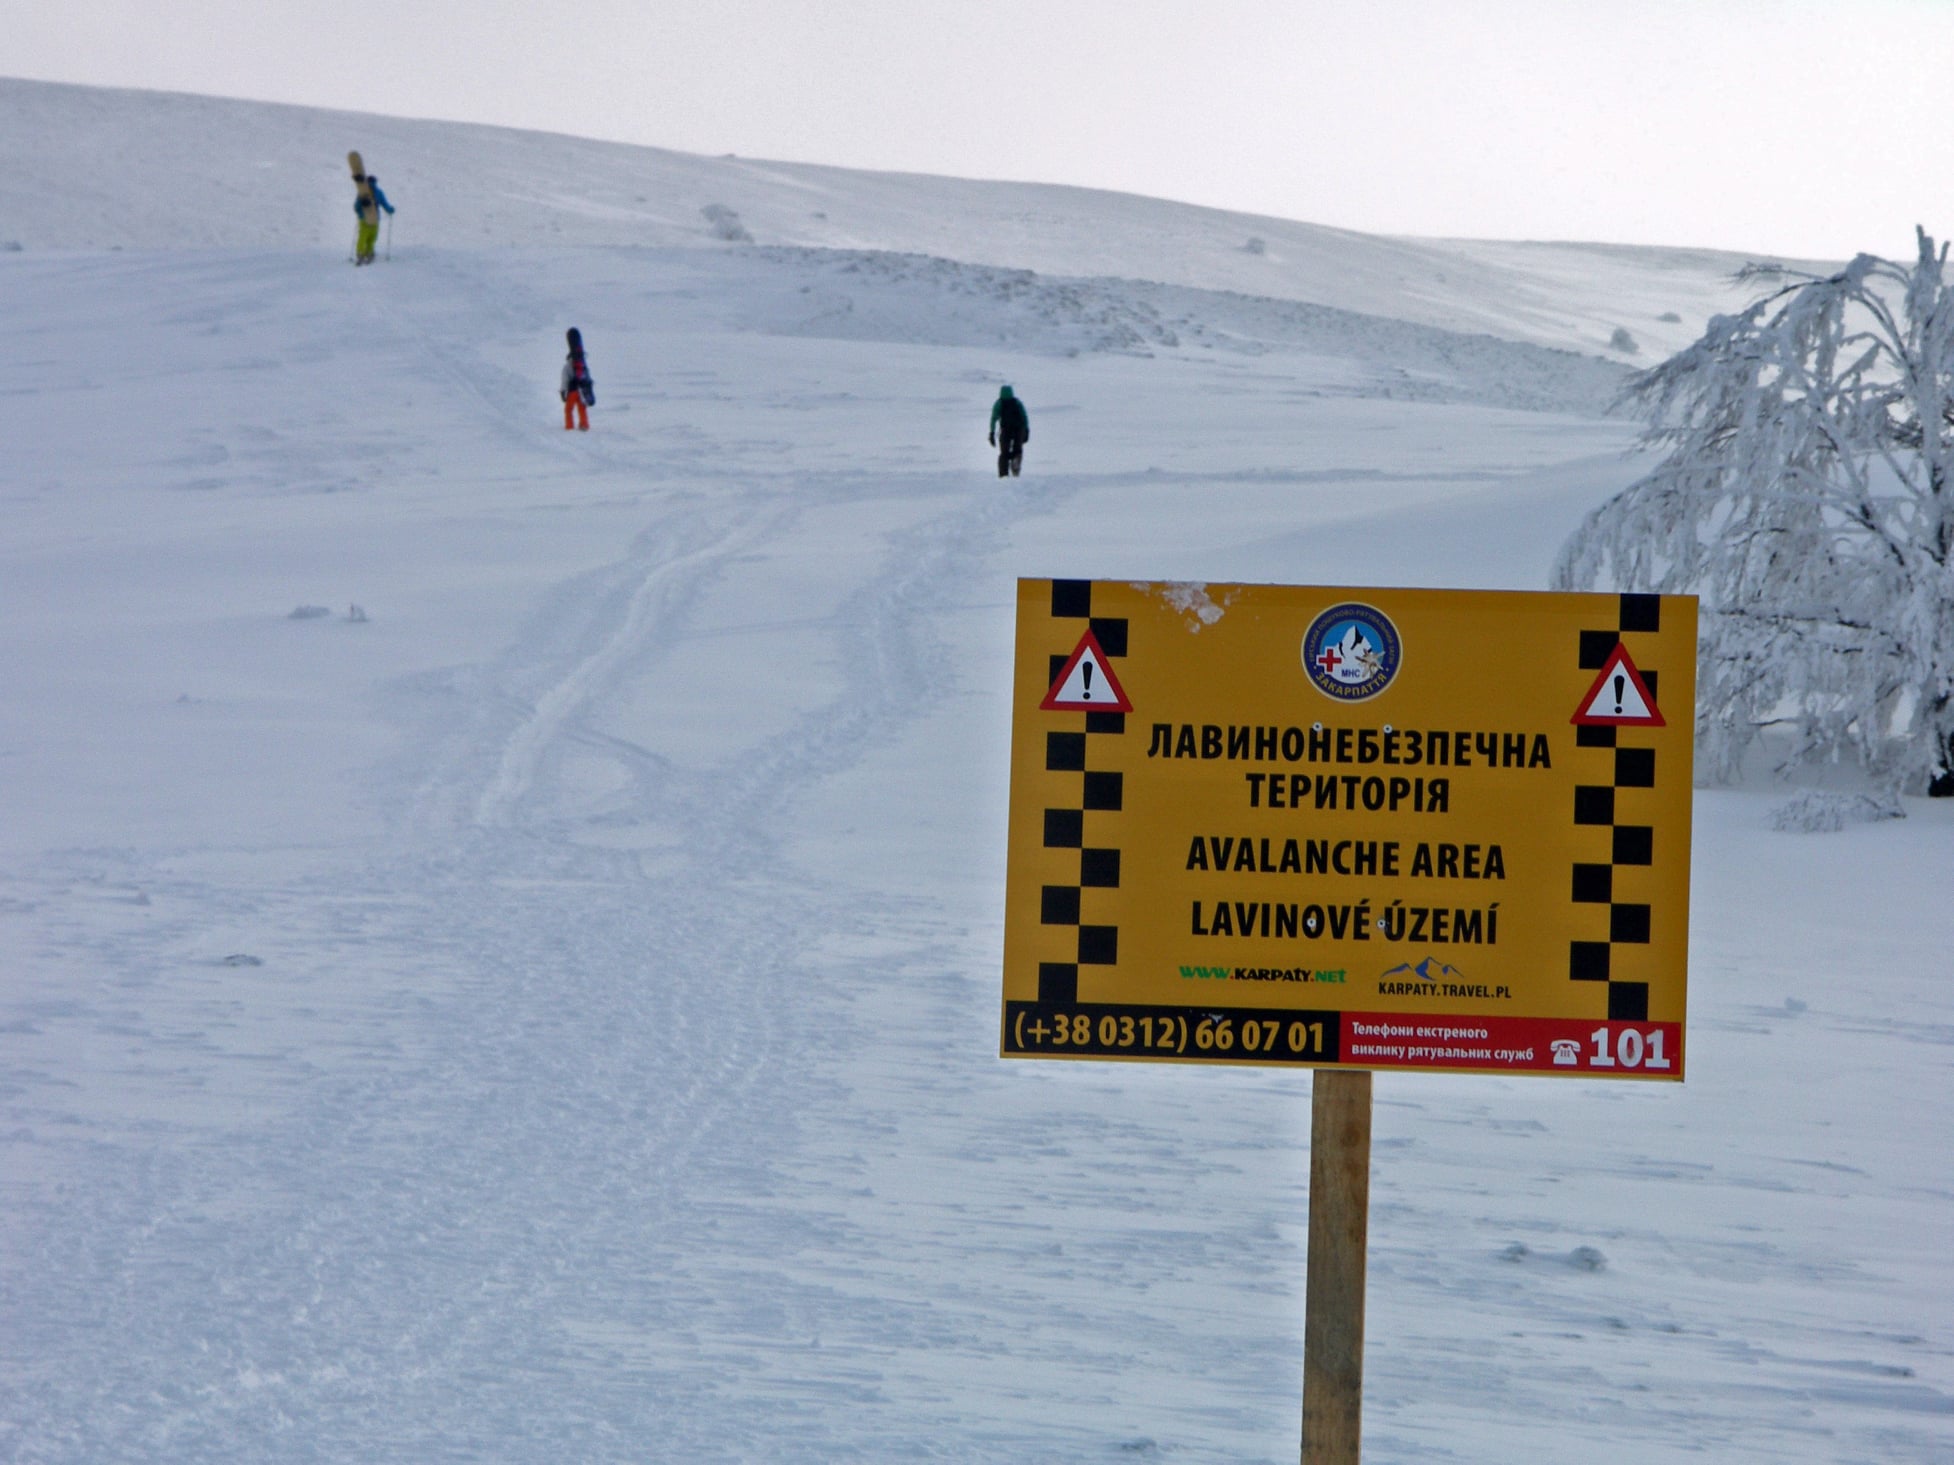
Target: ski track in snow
{"type": "Point", "coordinates": [630, 1095]}
{"type": "Point", "coordinates": [661, 583]}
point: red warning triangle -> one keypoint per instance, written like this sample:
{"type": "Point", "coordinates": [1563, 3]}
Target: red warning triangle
{"type": "Point", "coordinates": [1619, 697]}
{"type": "Point", "coordinates": [1086, 683]}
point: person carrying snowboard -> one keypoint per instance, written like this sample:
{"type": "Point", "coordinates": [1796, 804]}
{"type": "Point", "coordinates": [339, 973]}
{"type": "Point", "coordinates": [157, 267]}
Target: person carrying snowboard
{"type": "Point", "coordinates": [368, 200]}
{"type": "Point", "coordinates": [1010, 431]}
{"type": "Point", "coordinates": [578, 392]}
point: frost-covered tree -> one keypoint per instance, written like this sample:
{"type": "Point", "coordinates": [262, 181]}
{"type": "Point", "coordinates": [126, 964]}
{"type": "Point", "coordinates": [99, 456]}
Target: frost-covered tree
{"type": "Point", "coordinates": [1804, 495]}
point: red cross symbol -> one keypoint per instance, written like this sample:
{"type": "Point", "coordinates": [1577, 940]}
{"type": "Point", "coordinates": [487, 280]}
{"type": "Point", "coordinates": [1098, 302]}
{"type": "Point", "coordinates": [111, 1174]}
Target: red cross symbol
{"type": "Point", "coordinates": [1329, 660]}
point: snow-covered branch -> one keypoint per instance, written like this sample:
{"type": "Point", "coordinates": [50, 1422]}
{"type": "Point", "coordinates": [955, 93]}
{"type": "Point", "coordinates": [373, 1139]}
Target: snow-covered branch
{"type": "Point", "coordinates": [1803, 493]}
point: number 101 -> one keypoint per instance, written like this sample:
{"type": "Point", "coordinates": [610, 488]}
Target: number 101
{"type": "Point", "coordinates": [1632, 1049]}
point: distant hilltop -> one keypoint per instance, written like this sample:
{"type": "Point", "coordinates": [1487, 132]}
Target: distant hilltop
{"type": "Point", "coordinates": [92, 168]}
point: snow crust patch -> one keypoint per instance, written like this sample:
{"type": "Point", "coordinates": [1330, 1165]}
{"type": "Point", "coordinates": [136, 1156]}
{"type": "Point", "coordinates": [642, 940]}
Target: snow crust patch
{"type": "Point", "coordinates": [1192, 601]}
{"type": "Point", "coordinates": [1827, 811]}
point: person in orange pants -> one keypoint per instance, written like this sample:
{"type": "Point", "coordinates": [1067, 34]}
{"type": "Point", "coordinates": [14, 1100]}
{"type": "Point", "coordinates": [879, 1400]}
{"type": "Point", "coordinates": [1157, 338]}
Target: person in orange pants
{"type": "Point", "coordinates": [578, 392]}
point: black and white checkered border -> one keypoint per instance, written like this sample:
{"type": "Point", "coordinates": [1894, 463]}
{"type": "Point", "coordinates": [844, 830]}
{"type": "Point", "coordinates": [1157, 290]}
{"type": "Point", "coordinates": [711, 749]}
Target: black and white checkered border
{"type": "Point", "coordinates": [1098, 790]}
{"type": "Point", "coordinates": [1632, 845]}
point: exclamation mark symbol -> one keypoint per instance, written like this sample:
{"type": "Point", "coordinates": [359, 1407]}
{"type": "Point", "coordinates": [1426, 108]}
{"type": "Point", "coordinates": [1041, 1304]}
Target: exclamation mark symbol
{"type": "Point", "coordinates": [1085, 667]}
{"type": "Point", "coordinates": [1620, 682]}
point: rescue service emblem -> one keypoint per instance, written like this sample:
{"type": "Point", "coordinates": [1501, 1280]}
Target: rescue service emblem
{"type": "Point", "coordinates": [1352, 652]}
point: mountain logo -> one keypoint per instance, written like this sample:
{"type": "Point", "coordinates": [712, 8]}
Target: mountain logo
{"type": "Point", "coordinates": [1431, 969]}
{"type": "Point", "coordinates": [1352, 652]}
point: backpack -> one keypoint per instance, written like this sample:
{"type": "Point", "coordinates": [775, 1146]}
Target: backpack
{"type": "Point", "coordinates": [1011, 419]}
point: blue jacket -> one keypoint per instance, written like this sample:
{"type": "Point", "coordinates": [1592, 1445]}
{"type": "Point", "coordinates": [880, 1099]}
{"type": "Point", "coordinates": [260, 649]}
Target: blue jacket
{"type": "Point", "coordinates": [359, 203]}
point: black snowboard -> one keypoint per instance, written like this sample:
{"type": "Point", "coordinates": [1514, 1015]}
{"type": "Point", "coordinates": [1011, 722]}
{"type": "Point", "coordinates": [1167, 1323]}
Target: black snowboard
{"type": "Point", "coordinates": [585, 387]}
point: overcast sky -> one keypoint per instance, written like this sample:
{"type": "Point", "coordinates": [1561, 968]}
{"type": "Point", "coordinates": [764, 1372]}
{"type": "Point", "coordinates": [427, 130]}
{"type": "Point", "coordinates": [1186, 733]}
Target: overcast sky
{"type": "Point", "coordinates": [1812, 127]}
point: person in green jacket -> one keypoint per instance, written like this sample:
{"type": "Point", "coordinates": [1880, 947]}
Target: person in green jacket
{"type": "Point", "coordinates": [1010, 431]}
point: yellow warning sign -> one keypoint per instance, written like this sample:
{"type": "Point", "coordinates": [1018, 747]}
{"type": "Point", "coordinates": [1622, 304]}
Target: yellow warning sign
{"type": "Point", "coordinates": [1379, 828]}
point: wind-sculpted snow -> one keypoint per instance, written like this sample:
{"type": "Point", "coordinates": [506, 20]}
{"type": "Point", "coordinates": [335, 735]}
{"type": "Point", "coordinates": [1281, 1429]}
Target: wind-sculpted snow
{"type": "Point", "coordinates": [552, 1015]}
{"type": "Point", "coordinates": [897, 297]}
{"type": "Point", "coordinates": [873, 296]}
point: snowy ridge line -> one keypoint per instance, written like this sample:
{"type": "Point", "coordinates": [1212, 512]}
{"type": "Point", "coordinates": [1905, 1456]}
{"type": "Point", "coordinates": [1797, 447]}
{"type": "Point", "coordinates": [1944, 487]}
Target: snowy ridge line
{"type": "Point", "coordinates": [525, 749]}
{"type": "Point", "coordinates": [170, 171]}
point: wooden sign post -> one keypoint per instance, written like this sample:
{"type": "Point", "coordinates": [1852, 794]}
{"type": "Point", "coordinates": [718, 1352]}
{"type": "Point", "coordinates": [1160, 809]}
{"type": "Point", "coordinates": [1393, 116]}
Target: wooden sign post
{"type": "Point", "coordinates": [1333, 1302]}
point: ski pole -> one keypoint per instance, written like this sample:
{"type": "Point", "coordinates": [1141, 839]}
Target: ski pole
{"type": "Point", "coordinates": [390, 236]}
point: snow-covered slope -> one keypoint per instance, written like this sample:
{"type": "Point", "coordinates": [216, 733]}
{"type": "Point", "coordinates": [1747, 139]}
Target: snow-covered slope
{"type": "Point", "coordinates": [91, 168]}
{"type": "Point", "coordinates": [499, 928]}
